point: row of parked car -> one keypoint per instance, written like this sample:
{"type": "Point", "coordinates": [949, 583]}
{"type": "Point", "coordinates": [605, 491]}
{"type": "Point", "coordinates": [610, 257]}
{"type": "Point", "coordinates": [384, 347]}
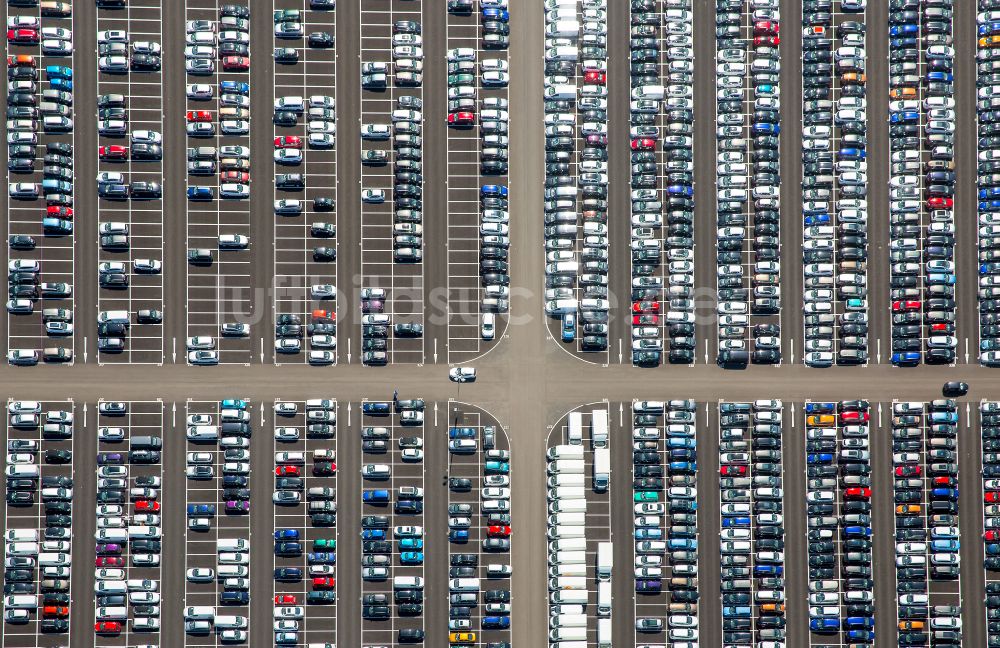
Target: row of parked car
{"type": "Point", "coordinates": [925, 491]}
{"type": "Point", "coordinates": [576, 280]}
{"type": "Point", "coordinates": [661, 115]}
{"type": "Point", "coordinates": [746, 187]}
{"type": "Point", "coordinates": [990, 430]}
{"type": "Point", "coordinates": [988, 180]}
{"type": "Point", "coordinates": [839, 523]}
{"type": "Point", "coordinates": [37, 561]}
{"type": "Point", "coordinates": [665, 528]}
{"type": "Point", "coordinates": [32, 111]}
{"type": "Point", "coordinates": [752, 533]}
{"type": "Point", "coordinates": [922, 182]}
{"type": "Point", "coordinates": [834, 187]}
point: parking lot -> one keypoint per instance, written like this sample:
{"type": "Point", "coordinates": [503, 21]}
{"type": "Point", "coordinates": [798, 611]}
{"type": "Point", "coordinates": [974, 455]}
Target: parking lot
{"type": "Point", "coordinates": [925, 490]}
{"type": "Point", "coordinates": [42, 523]}
{"type": "Point", "coordinates": [665, 510]}
{"type": "Point", "coordinates": [838, 510]}
{"type": "Point", "coordinates": [988, 411]}
{"type": "Point", "coordinates": [41, 261]}
{"type": "Point", "coordinates": [576, 162]}
{"type": "Point", "coordinates": [987, 182]}
{"type": "Point", "coordinates": [392, 568]}
{"type": "Point", "coordinates": [130, 227]}
{"type": "Point", "coordinates": [747, 154]}
{"type": "Point", "coordinates": [835, 187]}
{"type": "Point", "coordinates": [752, 534]}
{"type": "Point", "coordinates": [922, 187]}
{"type": "Point", "coordinates": [579, 524]}
{"type": "Point", "coordinates": [219, 241]}
{"type": "Point", "coordinates": [485, 545]}
{"type": "Point", "coordinates": [477, 159]}
{"type": "Point", "coordinates": [391, 204]}
{"type": "Point", "coordinates": [136, 437]}
{"type": "Point", "coordinates": [305, 514]}
{"type": "Point", "coordinates": [305, 219]}
{"type": "Point", "coordinates": [217, 524]}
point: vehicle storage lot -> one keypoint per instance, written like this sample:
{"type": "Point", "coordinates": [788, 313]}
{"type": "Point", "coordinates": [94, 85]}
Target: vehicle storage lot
{"type": "Point", "coordinates": [383, 266]}
{"type": "Point", "coordinates": [316, 590]}
{"type": "Point", "coordinates": [141, 220]}
{"type": "Point", "coordinates": [218, 281]}
{"type": "Point", "coordinates": [53, 250]}
{"type": "Point", "coordinates": [121, 434]}
{"type": "Point", "coordinates": [28, 519]}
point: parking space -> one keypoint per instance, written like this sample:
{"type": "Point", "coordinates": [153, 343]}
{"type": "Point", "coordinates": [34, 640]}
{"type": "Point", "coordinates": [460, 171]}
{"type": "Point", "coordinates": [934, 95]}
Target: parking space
{"type": "Point", "coordinates": [747, 178]}
{"type": "Point", "coordinates": [922, 186]}
{"type": "Point", "coordinates": [478, 218]}
{"type": "Point", "coordinates": [838, 510]}
{"type": "Point", "coordinates": [130, 181]}
{"type": "Point", "coordinates": [752, 534]}
{"type": "Point", "coordinates": [219, 237]}
{"type": "Point", "coordinates": [392, 564]}
{"type": "Point", "coordinates": [925, 493]}
{"type": "Point", "coordinates": [217, 525]}
{"type": "Point", "coordinates": [479, 525]}
{"type": "Point", "coordinates": [391, 179]}
{"type": "Point", "coordinates": [129, 472]}
{"type": "Point", "coordinates": [576, 179]}
{"type": "Point", "coordinates": [987, 180]}
{"type": "Point", "coordinates": [579, 528]}
{"type": "Point", "coordinates": [38, 514]}
{"type": "Point", "coordinates": [40, 184]}
{"type": "Point", "coordinates": [665, 510]}
{"type": "Point", "coordinates": [662, 178]}
{"type": "Point", "coordinates": [989, 435]}
{"type": "Point", "coordinates": [305, 142]}
{"type": "Point", "coordinates": [305, 517]}
{"type": "Point", "coordinates": [834, 186]}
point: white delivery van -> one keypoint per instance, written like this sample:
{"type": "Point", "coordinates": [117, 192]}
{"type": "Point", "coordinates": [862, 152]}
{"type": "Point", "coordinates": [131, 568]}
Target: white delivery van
{"type": "Point", "coordinates": [568, 557]}
{"type": "Point", "coordinates": [564, 452]}
{"type": "Point", "coordinates": [232, 544]}
{"type": "Point", "coordinates": [233, 622]}
{"type": "Point", "coordinates": [409, 582]}
{"type": "Point", "coordinates": [199, 613]}
{"type": "Point", "coordinates": [602, 469]}
{"type": "Point", "coordinates": [568, 597]}
{"type": "Point", "coordinates": [568, 583]}
{"type": "Point", "coordinates": [604, 599]}
{"type": "Point", "coordinates": [569, 621]}
{"type": "Point", "coordinates": [604, 633]}
{"type": "Point", "coordinates": [106, 587]}
{"type": "Point", "coordinates": [567, 492]}
{"type": "Point", "coordinates": [568, 634]}
{"type": "Point", "coordinates": [605, 557]}
{"type": "Point", "coordinates": [568, 544]}
{"type": "Point", "coordinates": [568, 506]}
{"type": "Point", "coordinates": [574, 569]}
{"type": "Point", "coordinates": [567, 518]}
{"type": "Point", "coordinates": [556, 481]}
{"type": "Point", "coordinates": [21, 602]}
{"type": "Point", "coordinates": [202, 433]}
{"type": "Point", "coordinates": [563, 28]}
{"type": "Point", "coordinates": [462, 585]}
{"type": "Point", "coordinates": [116, 613]}
{"type": "Point", "coordinates": [567, 466]}
{"type": "Point", "coordinates": [567, 531]}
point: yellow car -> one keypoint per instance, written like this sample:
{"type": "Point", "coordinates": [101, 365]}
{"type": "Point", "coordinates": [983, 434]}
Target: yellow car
{"type": "Point", "coordinates": [911, 625]}
{"type": "Point", "coordinates": [821, 420]}
{"type": "Point", "coordinates": [990, 41]}
{"type": "Point", "coordinates": [461, 637]}
{"type": "Point", "coordinates": [907, 509]}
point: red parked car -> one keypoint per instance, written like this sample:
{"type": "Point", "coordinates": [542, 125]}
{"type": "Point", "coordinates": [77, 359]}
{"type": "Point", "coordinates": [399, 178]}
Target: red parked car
{"type": "Point", "coordinates": [288, 141]}
{"type": "Point", "coordinates": [733, 471]}
{"type": "Point", "coordinates": [235, 176]}
{"type": "Point", "coordinates": [646, 307]}
{"type": "Point", "coordinates": [907, 471]}
{"type": "Point", "coordinates": [457, 118]}
{"type": "Point", "coordinates": [853, 417]}
{"type": "Point", "coordinates": [991, 536]}
{"type": "Point", "coordinates": [146, 506]}
{"type": "Point", "coordinates": [22, 36]}
{"type": "Point", "coordinates": [324, 582]}
{"type": "Point", "coordinates": [113, 152]}
{"type": "Point", "coordinates": [107, 627]}
{"type": "Point", "coordinates": [286, 471]}
{"type": "Point", "coordinates": [198, 116]}
{"type": "Point", "coordinates": [902, 306]}
{"type": "Point", "coordinates": [769, 27]}
{"type": "Point", "coordinates": [644, 144]}
{"type": "Point", "coordinates": [858, 493]}
{"type": "Point", "coordinates": [940, 202]}
{"type": "Point", "coordinates": [109, 561]}
{"type": "Point", "coordinates": [236, 63]}
{"type": "Point", "coordinates": [496, 531]}
{"type": "Point", "coordinates": [595, 76]}
{"type": "Point", "coordinates": [55, 611]}
{"type": "Point", "coordinates": [645, 320]}
{"type": "Point", "coordinates": [59, 212]}
{"type": "Point", "coordinates": [766, 41]}
{"type": "Point", "coordinates": [991, 497]}
{"type": "Point", "coordinates": [945, 481]}
{"type": "Point", "coordinates": [285, 599]}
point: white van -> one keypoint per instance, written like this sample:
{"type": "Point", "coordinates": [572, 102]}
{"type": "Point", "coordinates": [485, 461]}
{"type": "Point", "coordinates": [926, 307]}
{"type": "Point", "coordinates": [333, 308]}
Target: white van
{"type": "Point", "coordinates": [414, 582]}
{"type": "Point", "coordinates": [604, 633]}
{"type": "Point", "coordinates": [568, 506]}
{"type": "Point", "coordinates": [574, 569]}
{"type": "Point", "coordinates": [199, 613]}
{"type": "Point", "coordinates": [232, 571]}
{"type": "Point", "coordinates": [105, 587]}
{"type": "Point", "coordinates": [22, 471]}
{"type": "Point", "coordinates": [22, 549]}
{"type": "Point", "coordinates": [567, 518]}
{"type": "Point", "coordinates": [231, 622]}
{"type": "Point", "coordinates": [234, 558]}
{"type": "Point", "coordinates": [21, 602]}
{"type": "Point", "coordinates": [604, 599]}
{"type": "Point", "coordinates": [459, 584]}
{"type": "Point", "coordinates": [578, 480]}
{"type": "Point", "coordinates": [568, 544]}
{"type": "Point", "coordinates": [569, 621]}
{"type": "Point", "coordinates": [571, 634]}
{"type": "Point", "coordinates": [568, 597]}
{"type": "Point", "coordinates": [21, 535]}
{"type": "Point", "coordinates": [488, 329]}
{"type": "Point", "coordinates": [202, 433]}
{"type": "Point", "coordinates": [567, 531]}
{"type": "Point", "coordinates": [655, 92]}
{"type": "Point", "coordinates": [116, 613]}
{"type": "Point", "coordinates": [54, 559]}
{"type": "Point", "coordinates": [567, 492]}
{"type": "Point", "coordinates": [232, 544]}
{"type": "Point", "coordinates": [568, 557]}
{"type": "Point", "coordinates": [567, 466]}
{"type": "Point", "coordinates": [146, 624]}
{"type": "Point", "coordinates": [563, 28]}
{"type": "Point", "coordinates": [564, 452]}
{"type": "Point", "coordinates": [605, 557]}
{"type": "Point", "coordinates": [568, 583]}
{"type": "Point", "coordinates": [113, 317]}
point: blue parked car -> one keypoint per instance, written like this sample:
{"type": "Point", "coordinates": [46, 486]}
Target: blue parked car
{"type": "Point", "coordinates": [900, 43]}
{"type": "Point", "coordinates": [411, 557]}
{"type": "Point", "coordinates": [768, 570]}
{"type": "Point", "coordinates": [989, 28]}
{"type": "Point", "coordinates": [66, 85]}
{"type": "Point", "coordinates": [494, 190]}
{"type": "Point", "coordinates": [824, 624]}
{"type": "Point", "coordinates": [820, 408]}
{"type": "Point", "coordinates": [766, 89]}
{"type": "Point", "coordinates": [941, 279]}
{"type": "Point", "coordinates": [496, 14]}
{"type": "Point", "coordinates": [680, 190]}
{"type": "Point", "coordinates": [865, 636]}
{"type": "Point", "coordinates": [373, 534]}
{"type": "Point", "coordinates": [287, 548]}
{"type": "Point", "coordinates": [944, 417]}
{"type": "Point", "coordinates": [500, 622]}
{"type": "Point", "coordinates": [989, 192]}
{"type": "Point", "coordinates": [377, 408]}
{"type": "Point", "coordinates": [741, 521]}
{"type": "Point", "coordinates": [411, 543]}
{"type": "Point", "coordinates": [817, 219]}
{"type": "Point", "coordinates": [200, 193]}
{"type": "Point", "coordinates": [990, 205]}
{"type": "Point", "coordinates": [766, 129]}
{"type": "Point", "coordinates": [234, 403]}
{"type": "Point", "coordinates": [287, 574]}
{"type": "Point", "coordinates": [680, 442]}
{"type": "Point", "coordinates": [497, 467]}
{"type": "Point", "coordinates": [458, 536]}
{"type": "Point", "coordinates": [322, 558]}
{"type": "Point", "coordinates": [851, 153]}
{"type": "Point", "coordinates": [52, 225]}
{"type": "Point", "coordinates": [682, 544]}
{"type": "Point", "coordinates": [903, 30]}
{"type": "Point", "coordinates": [731, 611]}
{"type": "Point", "coordinates": [198, 510]}
{"type": "Point", "coordinates": [461, 433]}
{"type": "Point", "coordinates": [821, 458]}
{"type": "Point", "coordinates": [58, 72]}
{"type": "Point", "coordinates": [940, 77]}
{"type": "Point", "coordinates": [655, 533]}
{"type": "Point", "coordinates": [947, 546]}
{"type": "Point", "coordinates": [238, 87]}
{"type": "Point", "coordinates": [856, 622]}
{"type": "Point", "coordinates": [908, 359]}
{"type": "Point", "coordinates": [687, 467]}
{"type": "Point", "coordinates": [855, 531]}
{"type": "Point", "coordinates": [286, 534]}
{"type": "Point", "coordinates": [378, 496]}
{"type": "Point", "coordinates": [993, 549]}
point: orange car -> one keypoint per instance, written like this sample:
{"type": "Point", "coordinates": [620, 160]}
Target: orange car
{"type": "Point", "coordinates": [903, 93]}
{"type": "Point", "coordinates": [990, 41]}
{"type": "Point", "coordinates": [772, 608]}
{"type": "Point", "coordinates": [853, 77]}
{"type": "Point", "coordinates": [320, 315]}
{"type": "Point", "coordinates": [908, 509]}
{"type": "Point", "coordinates": [911, 625]}
{"type": "Point", "coordinates": [21, 59]}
